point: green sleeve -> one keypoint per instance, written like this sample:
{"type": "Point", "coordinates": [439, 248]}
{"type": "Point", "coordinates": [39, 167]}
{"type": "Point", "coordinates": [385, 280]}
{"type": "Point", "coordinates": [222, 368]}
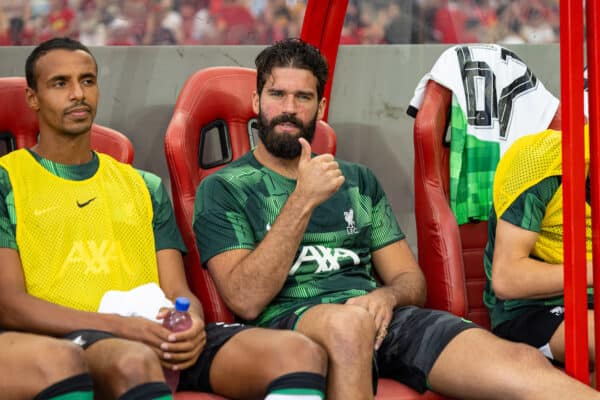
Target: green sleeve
{"type": "Point", "coordinates": [220, 221]}
{"type": "Point", "coordinates": [166, 232]}
{"type": "Point", "coordinates": [528, 210]}
{"type": "Point", "coordinates": [7, 213]}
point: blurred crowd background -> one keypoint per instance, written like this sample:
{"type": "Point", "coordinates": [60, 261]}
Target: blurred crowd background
{"type": "Point", "coordinates": [190, 22]}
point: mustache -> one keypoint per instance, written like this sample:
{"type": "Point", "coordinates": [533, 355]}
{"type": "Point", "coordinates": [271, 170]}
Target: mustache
{"type": "Point", "coordinates": [81, 104]}
{"type": "Point", "coordinates": [286, 118]}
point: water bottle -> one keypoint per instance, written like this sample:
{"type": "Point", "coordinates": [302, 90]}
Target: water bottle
{"type": "Point", "coordinates": [177, 320]}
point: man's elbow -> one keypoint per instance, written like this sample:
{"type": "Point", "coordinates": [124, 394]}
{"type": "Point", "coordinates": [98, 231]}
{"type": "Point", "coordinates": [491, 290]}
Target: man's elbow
{"type": "Point", "coordinates": [504, 288]}
{"type": "Point", "coordinates": [247, 315]}
{"type": "Point", "coordinates": [244, 309]}
{"type": "Point", "coordinates": [421, 299]}
{"type": "Point", "coordinates": [420, 292]}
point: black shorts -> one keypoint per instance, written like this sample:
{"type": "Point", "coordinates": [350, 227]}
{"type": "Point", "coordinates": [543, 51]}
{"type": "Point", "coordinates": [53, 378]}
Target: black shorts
{"type": "Point", "coordinates": [415, 339]}
{"type": "Point", "coordinates": [534, 326]}
{"type": "Point", "coordinates": [197, 377]}
{"type": "Point", "coordinates": [87, 337]}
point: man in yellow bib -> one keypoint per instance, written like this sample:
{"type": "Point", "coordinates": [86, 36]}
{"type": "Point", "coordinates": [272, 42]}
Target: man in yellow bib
{"type": "Point", "coordinates": [524, 254]}
{"type": "Point", "coordinates": [75, 224]}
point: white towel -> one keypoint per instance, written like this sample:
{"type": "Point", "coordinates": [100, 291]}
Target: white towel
{"type": "Point", "coordinates": [143, 301]}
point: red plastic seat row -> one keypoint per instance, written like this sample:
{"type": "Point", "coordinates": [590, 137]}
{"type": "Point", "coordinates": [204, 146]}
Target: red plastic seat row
{"type": "Point", "coordinates": [211, 126]}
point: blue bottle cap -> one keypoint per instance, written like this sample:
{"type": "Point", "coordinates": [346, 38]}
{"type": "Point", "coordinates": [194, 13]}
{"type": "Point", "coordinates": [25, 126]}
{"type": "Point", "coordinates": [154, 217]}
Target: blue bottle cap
{"type": "Point", "coordinates": [182, 304]}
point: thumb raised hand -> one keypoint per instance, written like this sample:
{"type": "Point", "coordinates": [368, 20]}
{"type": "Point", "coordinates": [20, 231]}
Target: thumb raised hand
{"type": "Point", "coordinates": [306, 150]}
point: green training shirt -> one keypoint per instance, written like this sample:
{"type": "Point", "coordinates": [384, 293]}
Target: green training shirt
{"type": "Point", "coordinates": [236, 206]}
{"type": "Point", "coordinates": [166, 232]}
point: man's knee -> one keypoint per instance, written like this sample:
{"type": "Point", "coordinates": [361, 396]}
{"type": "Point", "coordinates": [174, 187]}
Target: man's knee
{"type": "Point", "coordinates": [136, 364]}
{"type": "Point", "coordinates": [525, 355]}
{"type": "Point", "coordinates": [123, 365]}
{"type": "Point", "coordinates": [521, 359]}
{"type": "Point", "coordinates": [299, 353]}
{"type": "Point", "coordinates": [119, 365]}
{"type": "Point", "coordinates": [346, 332]}
{"type": "Point", "coordinates": [54, 360]}
{"type": "Point", "coordinates": [351, 326]}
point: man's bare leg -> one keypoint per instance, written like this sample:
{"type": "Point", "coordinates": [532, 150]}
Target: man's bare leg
{"type": "Point", "coordinates": [256, 357]}
{"type": "Point", "coordinates": [477, 364]}
{"type": "Point", "coordinates": [557, 342]}
{"type": "Point", "coordinates": [31, 363]}
{"type": "Point", "coordinates": [347, 333]}
{"type": "Point", "coordinates": [121, 365]}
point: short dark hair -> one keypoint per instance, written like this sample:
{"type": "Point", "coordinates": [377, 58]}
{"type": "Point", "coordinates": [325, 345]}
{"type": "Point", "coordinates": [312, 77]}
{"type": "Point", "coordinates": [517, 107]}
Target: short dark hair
{"type": "Point", "coordinates": [62, 43]}
{"type": "Point", "coordinates": [293, 53]}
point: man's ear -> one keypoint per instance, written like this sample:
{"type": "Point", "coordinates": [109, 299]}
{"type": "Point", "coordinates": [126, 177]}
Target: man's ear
{"type": "Point", "coordinates": [31, 98]}
{"type": "Point", "coordinates": [255, 102]}
{"type": "Point", "coordinates": [322, 107]}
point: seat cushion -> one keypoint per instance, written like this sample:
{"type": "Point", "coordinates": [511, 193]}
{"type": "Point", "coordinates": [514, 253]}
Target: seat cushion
{"type": "Point", "coordinates": [389, 389]}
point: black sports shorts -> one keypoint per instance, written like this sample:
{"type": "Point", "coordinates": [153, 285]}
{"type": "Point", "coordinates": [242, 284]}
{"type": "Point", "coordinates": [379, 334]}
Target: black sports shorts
{"type": "Point", "coordinates": [415, 339]}
{"type": "Point", "coordinates": [534, 326]}
{"type": "Point", "coordinates": [87, 337]}
{"type": "Point", "coordinates": [197, 377]}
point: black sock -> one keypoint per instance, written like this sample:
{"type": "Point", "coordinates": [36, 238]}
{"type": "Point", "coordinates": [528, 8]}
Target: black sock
{"type": "Point", "coordinates": [78, 386]}
{"type": "Point", "coordinates": [298, 386]}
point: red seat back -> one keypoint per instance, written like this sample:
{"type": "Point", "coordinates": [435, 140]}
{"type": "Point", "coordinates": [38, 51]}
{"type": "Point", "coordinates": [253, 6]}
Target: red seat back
{"type": "Point", "coordinates": [210, 127]}
{"type": "Point", "coordinates": [451, 256]}
{"type": "Point", "coordinates": [19, 126]}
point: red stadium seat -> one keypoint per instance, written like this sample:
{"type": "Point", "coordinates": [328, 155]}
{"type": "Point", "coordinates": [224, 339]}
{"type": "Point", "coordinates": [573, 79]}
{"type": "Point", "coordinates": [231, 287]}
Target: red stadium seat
{"type": "Point", "coordinates": [217, 102]}
{"type": "Point", "coordinates": [19, 125]}
{"type": "Point", "coordinates": [450, 255]}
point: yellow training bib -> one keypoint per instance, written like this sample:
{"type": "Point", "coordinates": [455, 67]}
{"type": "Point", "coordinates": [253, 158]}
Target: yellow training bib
{"type": "Point", "coordinates": [79, 239]}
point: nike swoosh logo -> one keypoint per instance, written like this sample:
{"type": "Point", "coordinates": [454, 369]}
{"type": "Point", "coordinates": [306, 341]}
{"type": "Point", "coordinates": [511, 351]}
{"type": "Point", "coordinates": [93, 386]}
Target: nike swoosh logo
{"type": "Point", "coordinates": [85, 203]}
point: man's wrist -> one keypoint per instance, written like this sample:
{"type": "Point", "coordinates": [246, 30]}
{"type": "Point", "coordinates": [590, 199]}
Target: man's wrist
{"type": "Point", "coordinates": [390, 295]}
{"type": "Point", "coordinates": [301, 205]}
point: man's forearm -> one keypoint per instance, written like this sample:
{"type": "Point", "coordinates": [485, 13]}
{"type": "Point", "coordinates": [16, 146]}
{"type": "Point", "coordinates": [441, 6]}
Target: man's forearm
{"type": "Point", "coordinates": [27, 313]}
{"type": "Point", "coordinates": [260, 275]}
{"type": "Point", "coordinates": [526, 278]}
{"type": "Point", "coordinates": [408, 288]}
